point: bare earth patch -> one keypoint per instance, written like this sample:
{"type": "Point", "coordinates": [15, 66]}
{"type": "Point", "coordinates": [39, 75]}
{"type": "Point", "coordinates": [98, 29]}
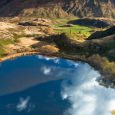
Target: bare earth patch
{"type": "Point", "coordinates": [6, 25]}
{"type": "Point", "coordinates": [27, 41]}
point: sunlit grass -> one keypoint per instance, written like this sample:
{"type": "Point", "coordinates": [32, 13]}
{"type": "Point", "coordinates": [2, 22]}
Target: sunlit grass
{"type": "Point", "coordinates": [4, 42]}
{"type": "Point", "coordinates": [73, 31]}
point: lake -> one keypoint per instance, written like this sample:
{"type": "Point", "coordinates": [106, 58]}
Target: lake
{"type": "Point", "coordinates": [39, 85]}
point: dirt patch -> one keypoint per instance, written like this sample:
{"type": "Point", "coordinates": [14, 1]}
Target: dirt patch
{"type": "Point", "coordinates": [27, 41]}
{"type": "Point", "coordinates": [6, 25]}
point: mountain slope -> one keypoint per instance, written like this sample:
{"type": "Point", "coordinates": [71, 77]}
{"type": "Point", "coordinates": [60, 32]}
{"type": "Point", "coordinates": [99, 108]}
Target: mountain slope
{"type": "Point", "coordinates": [59, 8]}
{"type": "Point", "coordinates": [36, 8]}
{"type": "Point", "coordinates": [91, 8]}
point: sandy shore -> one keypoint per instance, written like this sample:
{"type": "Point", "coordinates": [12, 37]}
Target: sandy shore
{"type": "Point", "coordinates": [12, 56]}
{"type": "Point", "coordinates": [17, 55]}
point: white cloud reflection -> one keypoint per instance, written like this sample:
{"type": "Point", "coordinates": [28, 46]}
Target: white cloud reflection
{"type": "Point", "coordinates": [46, 70]}
{"type": "Point", "coordinates": [54, 59]}
{"type": "Point", "coordinates": [24, 104]}
{"type": "Point", "coordinates": [86, 96]}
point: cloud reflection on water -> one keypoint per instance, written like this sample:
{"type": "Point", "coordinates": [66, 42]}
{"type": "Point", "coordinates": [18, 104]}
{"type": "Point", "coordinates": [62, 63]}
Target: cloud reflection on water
{"type": "Point", "coordinates": [86, 96]}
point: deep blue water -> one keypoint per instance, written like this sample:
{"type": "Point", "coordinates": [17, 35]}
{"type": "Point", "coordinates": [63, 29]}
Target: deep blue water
{"type": "Point", "coordinates": [36, 79]}
{"type": "Point", "coordinates": [38, 85]}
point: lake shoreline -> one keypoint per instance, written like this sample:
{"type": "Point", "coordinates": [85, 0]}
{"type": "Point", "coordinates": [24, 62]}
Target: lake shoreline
{"type": "Point", "coordinates": [16, 55]}
{"type": "Point", "coordinates": [59, 55]}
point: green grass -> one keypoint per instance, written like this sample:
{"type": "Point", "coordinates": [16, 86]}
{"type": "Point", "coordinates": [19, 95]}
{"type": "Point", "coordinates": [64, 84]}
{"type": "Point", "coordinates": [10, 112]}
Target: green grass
{"type": "Point", "coordinates": [73, 31]}
{"type": "Point", "coordinates": [4, 42]}
{"type": "Point", "coordinates": [63, 20]}
{"type": "Point", "coordinates": [109, 66]}
{"type": "Point", "coordinates": [2, 52]}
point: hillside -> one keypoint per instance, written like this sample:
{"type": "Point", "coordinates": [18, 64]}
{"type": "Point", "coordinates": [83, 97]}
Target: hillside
{"type": "Point", "coordinates": [91, 8]}
{"type": "Point", "coordinates": [101, 34]}
{"type": "Point", "coordinates": [36, 8]}
{"type": "Point", "coordinates": [58, 8]}
{"type": "Point", "coordinates": [60, 35]}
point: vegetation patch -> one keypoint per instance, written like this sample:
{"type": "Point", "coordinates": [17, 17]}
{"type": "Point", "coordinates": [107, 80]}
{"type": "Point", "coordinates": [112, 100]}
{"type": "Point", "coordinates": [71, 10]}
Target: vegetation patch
{"type": "Point", "coordinates": [2, 51]}
{"type": "Point", "coordinates": [75, 32]}
{"type": "Point", "coordinates": [4, 42]}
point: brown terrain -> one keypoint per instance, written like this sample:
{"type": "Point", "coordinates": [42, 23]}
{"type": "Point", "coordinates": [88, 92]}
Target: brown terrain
{"type": "Point", "coordinates": [25, 33]}
{"type": "Point", "coordinates": [26, 20]}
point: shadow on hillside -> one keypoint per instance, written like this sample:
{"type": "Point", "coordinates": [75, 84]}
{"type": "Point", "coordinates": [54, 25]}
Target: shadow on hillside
{"type": "Point", "coordinates": [104, 46]}
{"type": "Point", "coordinates": [91, 22]}
{"type": "Point", "coordinates": [101, 34]}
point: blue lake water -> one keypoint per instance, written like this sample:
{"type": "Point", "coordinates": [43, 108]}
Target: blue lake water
{"type": "Point", "coordinates": [38, 85]}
